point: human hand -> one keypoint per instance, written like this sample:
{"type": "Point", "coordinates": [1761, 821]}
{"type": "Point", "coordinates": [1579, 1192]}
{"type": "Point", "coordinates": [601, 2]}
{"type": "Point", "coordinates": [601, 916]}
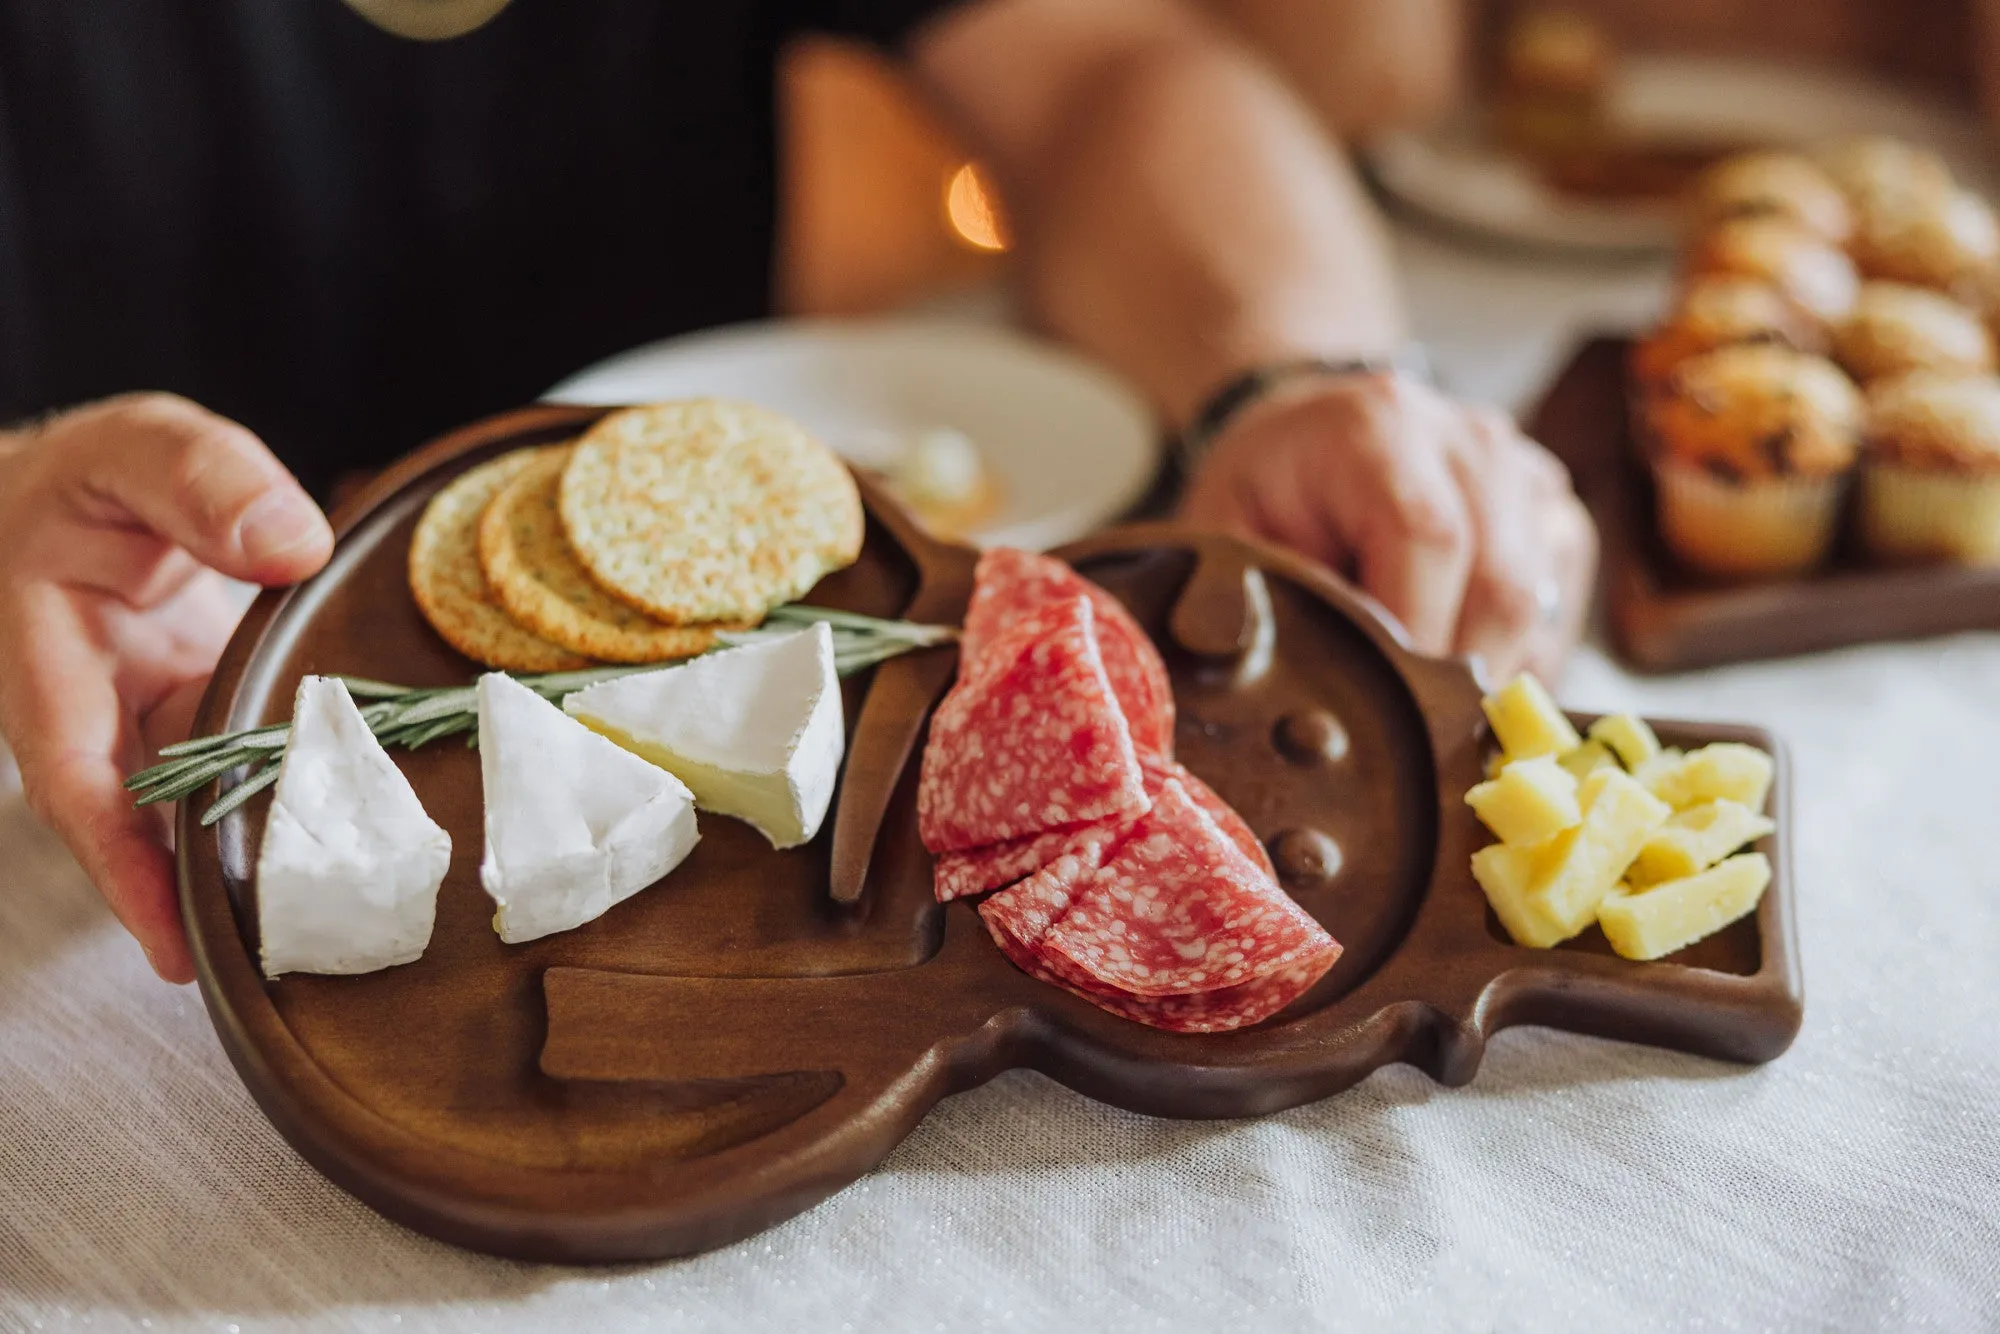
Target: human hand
{"type": "Point", "coordinates": [1462, 527]}
{"type": "Point", "coordinates": [118, 523]}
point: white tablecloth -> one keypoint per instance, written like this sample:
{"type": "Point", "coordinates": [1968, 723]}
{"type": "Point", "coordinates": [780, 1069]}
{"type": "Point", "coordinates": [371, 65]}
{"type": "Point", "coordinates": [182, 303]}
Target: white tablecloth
{"type": "Point", "coordinates": [1575, 1185]}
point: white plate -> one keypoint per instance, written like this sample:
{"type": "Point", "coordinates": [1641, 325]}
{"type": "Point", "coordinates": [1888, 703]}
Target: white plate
{"type": "Point", "coordinates": [1454, 172]}
{"type": "Point", "coordinates": [1072, 446]}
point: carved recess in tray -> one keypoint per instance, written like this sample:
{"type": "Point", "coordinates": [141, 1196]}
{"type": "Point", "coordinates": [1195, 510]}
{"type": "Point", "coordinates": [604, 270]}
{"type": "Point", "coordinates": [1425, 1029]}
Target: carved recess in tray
{"type": "Point", "coordinates": [729, 1047]}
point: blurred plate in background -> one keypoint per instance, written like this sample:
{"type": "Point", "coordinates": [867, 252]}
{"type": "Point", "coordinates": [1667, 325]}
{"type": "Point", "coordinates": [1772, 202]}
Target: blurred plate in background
{"type": "Point", "coordinates": [1071, 447]}
{"type": "Point", "coordinates": [1456, 174]}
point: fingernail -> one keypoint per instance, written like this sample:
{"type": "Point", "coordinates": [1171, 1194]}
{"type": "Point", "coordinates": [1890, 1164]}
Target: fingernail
{"type": "Point", "coordinates": [280, 522]}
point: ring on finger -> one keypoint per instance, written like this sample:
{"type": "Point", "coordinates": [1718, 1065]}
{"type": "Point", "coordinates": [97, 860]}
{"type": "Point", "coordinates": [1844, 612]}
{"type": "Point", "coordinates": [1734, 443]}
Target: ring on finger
{"type": "Point", "coordinates": [1548, 599]}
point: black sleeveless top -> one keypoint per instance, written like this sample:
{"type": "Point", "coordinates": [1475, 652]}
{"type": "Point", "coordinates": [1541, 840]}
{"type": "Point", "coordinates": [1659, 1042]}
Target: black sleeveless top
{"type": "Point", "coordinates": [348, 241]}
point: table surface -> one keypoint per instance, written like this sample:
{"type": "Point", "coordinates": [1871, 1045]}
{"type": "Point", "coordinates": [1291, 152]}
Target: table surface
{"type": "Point", "coordinates": [1575, 1184]}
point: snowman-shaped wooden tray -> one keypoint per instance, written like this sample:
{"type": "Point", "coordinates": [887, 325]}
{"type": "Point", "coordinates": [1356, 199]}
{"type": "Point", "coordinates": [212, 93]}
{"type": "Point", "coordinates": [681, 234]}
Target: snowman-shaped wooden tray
{"type": "Point", "coordinates": [725, 1049]}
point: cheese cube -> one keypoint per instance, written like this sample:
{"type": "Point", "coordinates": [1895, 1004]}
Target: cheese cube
{"type": "Point", "coordinates": [1545, 895]}
{"type": "Point", "coordinates": [1655, 922]}
{"type": "Point", "coordinates": [1696, 839]}
{"type": "Point", "coordinates": [1618, 817]}
{"type": "Point", "coordinates": [1587, 759]}
{"type": "Point", "coordinates": [1507, 874]}
{"type": "Point", "coordinates": [1725, 771]}
{"type": "Point", "coordinates": [1527, 721]}
{"type": "Point", "coordinates": [1629, 736]}
{"type": "Point", "coordinates": [1653, 770]}
{"type": "Point", "coordinates": [1530, 802]}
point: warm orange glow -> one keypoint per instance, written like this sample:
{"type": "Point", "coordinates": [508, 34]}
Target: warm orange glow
{"type": "Point", "coordinates": [973, 211]}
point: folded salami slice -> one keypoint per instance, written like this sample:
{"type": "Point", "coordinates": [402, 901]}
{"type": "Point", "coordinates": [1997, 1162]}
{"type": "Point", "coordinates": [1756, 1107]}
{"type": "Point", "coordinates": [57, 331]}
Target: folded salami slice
{"type": "Point", "coordinates": [1030, 739]}
{"type": "Point", "coordinates": [1009, 583]}
{"type": "Point", "coordinates": [960, 875]}
{"type": "Point", "coordinates": [1233, 824]}
{"type": "Point", "coordinates": [1178, 909]}
{"type": "Point", "coordinates": [1021, 916]}
{"type": "Point", "coordinates": [977, 870]}
{"type": "Point", "coordinates": [1216, 1011]}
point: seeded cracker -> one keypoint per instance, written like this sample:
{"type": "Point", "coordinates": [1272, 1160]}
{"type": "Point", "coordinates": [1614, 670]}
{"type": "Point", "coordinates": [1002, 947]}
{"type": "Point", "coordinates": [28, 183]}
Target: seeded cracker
{"type": "Point", "coordinates": [705, 510]}
{"type": "Point", "coordinates": [537, 579]}
{"type": "Point", "coordinates": [450, 588]}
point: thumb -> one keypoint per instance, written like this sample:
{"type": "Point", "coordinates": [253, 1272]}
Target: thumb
{"type": "Point", "coordinates": [197, 479]}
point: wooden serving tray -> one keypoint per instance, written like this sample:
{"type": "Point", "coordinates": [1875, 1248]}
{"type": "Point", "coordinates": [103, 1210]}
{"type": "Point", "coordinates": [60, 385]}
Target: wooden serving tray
{"type": "Point", "coordinates": [727, 1048]}
{"type": "Point", "coordinates": [1664, 619]}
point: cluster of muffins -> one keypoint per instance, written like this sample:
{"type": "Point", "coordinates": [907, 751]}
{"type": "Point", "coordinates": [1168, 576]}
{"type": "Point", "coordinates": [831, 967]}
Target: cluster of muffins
{"type": "Point", "coordinates": [1833, 337]}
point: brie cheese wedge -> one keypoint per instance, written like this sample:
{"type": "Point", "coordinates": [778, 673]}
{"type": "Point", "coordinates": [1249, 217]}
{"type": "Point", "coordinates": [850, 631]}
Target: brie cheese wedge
{"type": "Point", "coordinates": [755, 732]}
{"type": "Point", "coordinates": [573, 823]}
{"type": "Point", "coordinates": [348, 874]}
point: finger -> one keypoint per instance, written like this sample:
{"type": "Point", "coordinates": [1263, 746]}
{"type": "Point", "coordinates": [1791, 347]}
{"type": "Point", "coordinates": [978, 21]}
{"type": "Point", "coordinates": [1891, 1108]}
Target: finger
{"type": "Point", "coordinates": [1574, 542]}
{"type": "Point", "coordinates": [135, 565]}
{"type": "Point", "coordinates": [201, 481]}
{"type": "Point", "coordinates": [1513, 577]}
{"type": "Point", "coordinates": [1413, 532]}
{"type": "Point", "coordinates": [68, 730]}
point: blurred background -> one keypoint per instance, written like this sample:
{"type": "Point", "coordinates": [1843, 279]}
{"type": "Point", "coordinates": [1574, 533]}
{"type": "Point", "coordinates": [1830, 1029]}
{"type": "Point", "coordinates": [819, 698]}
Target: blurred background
{"type": "Point", "coordinates": [884, 208]}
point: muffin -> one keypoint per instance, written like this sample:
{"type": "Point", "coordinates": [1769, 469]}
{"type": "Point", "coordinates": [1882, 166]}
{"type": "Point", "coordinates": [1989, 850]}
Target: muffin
{"type": "Point", "coordinates": [1784, 185]}
{"type": "Point", "coordinates": [1877, 167]}
{"type": "Point", "coordinates": [1716, 312]}
{"type": "Point", "coordinates": [1948, 241]}
{"type": "Point", "coordinates": [1750, 446]}
{"type": "Point", "coordinates": [1556, 55]}
{"type": "Point", "coordinates": [1930, 488]}
{"type": "Point", "coordinates": [1895, 329]}
{"type": "Point", "coordinates": [1816, 276]}
{"type": "Point", "coordinates": [1555, 71]}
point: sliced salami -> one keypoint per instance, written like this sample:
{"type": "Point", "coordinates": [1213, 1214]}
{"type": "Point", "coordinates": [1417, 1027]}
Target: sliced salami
{"type": "Point", "coordinates": [975, 871]}
{"type": "Point", "coordinates": [1009, 583]}
{"type": "Point", "coordinates": [1027, 912]}
{"type": "Point", "coordinates": [1231, 821]}
{"type": "Point", "coordinates": [1217, 1011]}
{"type": "Point", "coordinates": [1179, 909]}
{"type": "Point", "coordinates": [960, 875]}
{"type": "Point", "coordinates": [1031, 739]}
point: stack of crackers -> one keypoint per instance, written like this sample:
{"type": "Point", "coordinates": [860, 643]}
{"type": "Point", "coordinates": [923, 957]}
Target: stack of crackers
{"type": "Point", "coordinates": [638, 542]}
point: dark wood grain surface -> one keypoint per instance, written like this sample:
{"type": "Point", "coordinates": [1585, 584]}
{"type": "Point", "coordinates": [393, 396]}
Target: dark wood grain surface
{"type": "Point", "coordinates": [732, 1045]}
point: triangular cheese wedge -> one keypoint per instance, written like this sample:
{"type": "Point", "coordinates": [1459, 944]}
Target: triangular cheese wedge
{"type": "Point", "coordinates": [348, 874]}
{"type": "Point", "coordinates": [573, 823]}
{"type": "Point", "coordinates": [756, 732]}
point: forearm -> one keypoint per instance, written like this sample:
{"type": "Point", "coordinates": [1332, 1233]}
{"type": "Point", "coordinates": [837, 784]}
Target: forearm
{"type": "Point", "coordinates": [1181, 216]}
{"type": "Point", "coordinates": [1361, 65]}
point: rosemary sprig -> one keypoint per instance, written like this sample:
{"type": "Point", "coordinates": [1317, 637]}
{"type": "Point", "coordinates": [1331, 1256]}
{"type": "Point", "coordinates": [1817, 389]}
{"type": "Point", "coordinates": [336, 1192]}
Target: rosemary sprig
{"type": "Point", "coordinates": [414, 716]}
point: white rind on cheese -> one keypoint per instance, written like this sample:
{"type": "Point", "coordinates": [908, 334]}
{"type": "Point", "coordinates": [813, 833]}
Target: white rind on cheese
{"type": "Point", "coordinates": [348, 873]}
{"type": "Point", "coordinates": [574, 825]}
{"type": "Point", "coordinates": [755, 732]}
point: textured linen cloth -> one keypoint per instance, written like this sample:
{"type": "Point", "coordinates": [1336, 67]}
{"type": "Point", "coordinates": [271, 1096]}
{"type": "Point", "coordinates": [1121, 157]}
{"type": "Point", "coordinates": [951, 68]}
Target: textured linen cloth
{"type": "Point", "coordinates": [1576, 1184]}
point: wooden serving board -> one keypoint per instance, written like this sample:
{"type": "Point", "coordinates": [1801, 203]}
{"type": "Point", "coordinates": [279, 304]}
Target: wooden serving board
{"type": "Point", "coordinates": [732, 1045]}
{"type": "Point", "coordinates": [1663, 618]}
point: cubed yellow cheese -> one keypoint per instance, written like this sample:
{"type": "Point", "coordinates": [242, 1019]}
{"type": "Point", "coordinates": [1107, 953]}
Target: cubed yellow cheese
{"type": "Point", "coordinates": [1587, 759]}
{"type": "Point", "coordinates": [1627, 735]}
{"type": "Point", "coordinates": [1507, 874]}
{"type": "Point", "coordinates": [1530, 802]}
{"type": "Point", "coordinates": [1652, 923]}
{"type": "Point", "coordinates": [1661, 764]}
{"type": "Point", "coordinates": [1725, 771]}
{"type": "Point", "coordinates": [1618, 817]}
{"type": "Point", "coordinates": [1527, 721]}
{"type": "Point", "coordinates": [1546, 894]}
{"type": "Point", "coordinates": [1696, 839]}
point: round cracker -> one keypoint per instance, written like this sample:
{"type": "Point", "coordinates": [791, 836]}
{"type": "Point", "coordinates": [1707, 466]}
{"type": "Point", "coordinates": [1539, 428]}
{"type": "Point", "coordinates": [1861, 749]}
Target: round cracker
{"type": "Point", "coordinates": [528, 564]}
{"type": "Point", "coordinates": [708, 510]}
{"type": "Point", "coordinates": [450, 588]}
